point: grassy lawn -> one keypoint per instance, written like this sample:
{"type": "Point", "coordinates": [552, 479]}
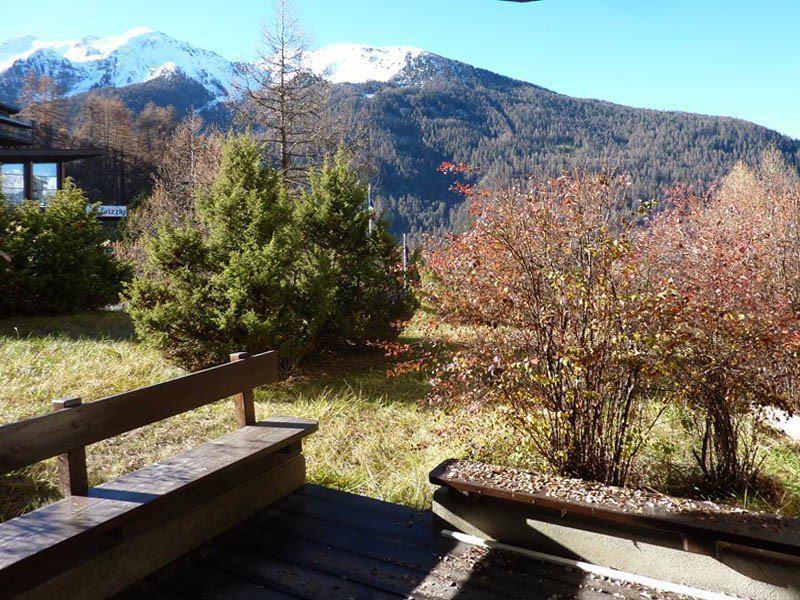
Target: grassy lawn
{"type": "Point", "coordinates": [376, 437]}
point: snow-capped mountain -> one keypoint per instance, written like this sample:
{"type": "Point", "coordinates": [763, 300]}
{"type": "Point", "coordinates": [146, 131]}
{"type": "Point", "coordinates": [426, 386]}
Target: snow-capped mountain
{"type": "Point", "coordinates": [137, 56]}
{"type": "Point", "coordinates": [142, 55]}
{"type": "Point", "coordinates": [355, 63]}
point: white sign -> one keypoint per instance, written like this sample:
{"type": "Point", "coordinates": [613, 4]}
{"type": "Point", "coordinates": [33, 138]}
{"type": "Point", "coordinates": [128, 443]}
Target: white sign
{"type": "Point", "coordinates": [111, 211]}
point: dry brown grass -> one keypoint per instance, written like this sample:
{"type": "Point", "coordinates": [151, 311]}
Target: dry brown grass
{"type": "Point", "coordinates": [375, 438]}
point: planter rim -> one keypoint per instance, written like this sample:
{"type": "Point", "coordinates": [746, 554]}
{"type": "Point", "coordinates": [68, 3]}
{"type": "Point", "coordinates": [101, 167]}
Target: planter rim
{"type": "Point", "coordinates": [700, 534]}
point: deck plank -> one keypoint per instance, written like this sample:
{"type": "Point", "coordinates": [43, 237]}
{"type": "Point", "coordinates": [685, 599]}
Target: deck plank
{"type": "Point", "coordinates": [411, 526]}
{"type": "Point", "coordinates": [150, 591]}
{"type": "Point", "coordinates": [287, 577]}
{"type": "Point", "coordinates": [353, 514]}
{"type": "Point", "coordinates": [206, 583]}
{"type": "Point", "coordinates": [321, 543]}
{"type": "Point", "coordinates": [457, 562]}
{"type": "Point", "coordinates": [354, 566]}
{"type": "Point", "coordinates": [395, 512]}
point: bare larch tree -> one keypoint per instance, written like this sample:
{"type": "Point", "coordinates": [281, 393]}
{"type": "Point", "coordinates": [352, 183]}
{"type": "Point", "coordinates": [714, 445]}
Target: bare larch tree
{"type": "Point", "coordinates": [283, 100]}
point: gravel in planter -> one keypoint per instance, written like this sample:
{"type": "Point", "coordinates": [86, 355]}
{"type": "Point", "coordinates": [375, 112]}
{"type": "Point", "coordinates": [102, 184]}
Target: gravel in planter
{"type": "Point", "coordinates": [638, 501]}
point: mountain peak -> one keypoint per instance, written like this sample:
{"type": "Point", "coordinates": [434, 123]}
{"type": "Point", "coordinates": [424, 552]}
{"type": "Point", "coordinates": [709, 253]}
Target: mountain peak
{"type": "Point", "coordinates": [90, 48]}
{"type": "Point", "coordinates": [358, 63]}
{"type": "Point", "coordinates": [95, 48]}
{"type": "Point", "coordinates": [136, 56]}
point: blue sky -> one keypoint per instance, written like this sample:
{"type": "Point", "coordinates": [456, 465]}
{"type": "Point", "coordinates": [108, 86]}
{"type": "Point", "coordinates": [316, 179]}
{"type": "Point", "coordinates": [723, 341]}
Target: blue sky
{"type": "Point", "coordinates": [726, 57]}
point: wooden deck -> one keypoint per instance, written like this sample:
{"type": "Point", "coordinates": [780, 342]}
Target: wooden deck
{"type": "Point", "coordinates": [320, 543]}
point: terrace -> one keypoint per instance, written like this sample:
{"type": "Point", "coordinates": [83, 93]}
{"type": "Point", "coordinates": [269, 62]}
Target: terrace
{"type": "Point", "coordinates": [321, 543]}
{"type": "Point", "coordinates": [14, 131]}
{"type": "Point", "coordinates": [235, 518]}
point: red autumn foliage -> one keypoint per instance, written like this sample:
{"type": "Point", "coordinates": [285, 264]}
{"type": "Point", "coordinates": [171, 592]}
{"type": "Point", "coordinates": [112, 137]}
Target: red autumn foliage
{"type": "Point", "coordinates": [585, 325]}
{"type": "Point", "coordinates": [561, 327]}
{"type": "Point", "coordinates": [450, 168]}
{"type": "Point", "coordinates": [731, 255]}
{"type": "Point", "coordinates": [459, 187]}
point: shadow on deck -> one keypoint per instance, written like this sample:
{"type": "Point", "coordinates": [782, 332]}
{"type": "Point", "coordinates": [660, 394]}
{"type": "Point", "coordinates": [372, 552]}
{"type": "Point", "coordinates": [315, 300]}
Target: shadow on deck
{"type": "Point", "coordinates": [321, 543]}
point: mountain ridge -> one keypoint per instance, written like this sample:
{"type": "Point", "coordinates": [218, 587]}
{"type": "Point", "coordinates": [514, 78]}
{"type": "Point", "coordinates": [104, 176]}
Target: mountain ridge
{"type": "Point", "coordinates": [339, 63]}
{"type": "Point", "coordinates": [419, 109]}
{"type": "Point", "coordinates": [135, 57]}
{"type": "Point", "coordinates": [142, 54]}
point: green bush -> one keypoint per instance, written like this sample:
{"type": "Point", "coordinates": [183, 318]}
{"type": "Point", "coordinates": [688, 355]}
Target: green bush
{"type": "Point", "coordinates": [369, 295]}
{"type": "Point", "coordinates": [260, 271]}
{"type": "Point", "coordinates": [56, 259]}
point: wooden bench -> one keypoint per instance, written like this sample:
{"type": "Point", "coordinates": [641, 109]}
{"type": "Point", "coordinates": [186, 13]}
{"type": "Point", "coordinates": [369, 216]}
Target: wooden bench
{"type": "Point", "coordinates": [98, 540]}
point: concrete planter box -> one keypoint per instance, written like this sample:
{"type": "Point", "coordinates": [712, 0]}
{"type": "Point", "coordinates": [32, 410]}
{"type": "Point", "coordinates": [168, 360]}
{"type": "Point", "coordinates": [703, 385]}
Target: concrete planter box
{"type": "Point", "coordinates": [745, 559]}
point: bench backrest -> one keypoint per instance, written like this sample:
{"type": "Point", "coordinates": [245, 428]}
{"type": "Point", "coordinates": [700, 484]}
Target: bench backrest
{"type": "Point", "coordinates": [66, 432]}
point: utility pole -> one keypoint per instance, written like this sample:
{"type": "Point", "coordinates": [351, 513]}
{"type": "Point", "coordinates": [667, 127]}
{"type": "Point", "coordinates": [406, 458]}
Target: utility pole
{"type": "Point", "coordinates": [371, 209]}
{"type": "Point", "coordinates": [405, 261]}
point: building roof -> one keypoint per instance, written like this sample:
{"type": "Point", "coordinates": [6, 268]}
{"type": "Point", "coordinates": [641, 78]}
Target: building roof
{"type": "Point", "coordinates": [47, 155]}
{"type": "Point", "coordinates": [15, 122]}
{"type": "Point", "coordinates": [9, 108]}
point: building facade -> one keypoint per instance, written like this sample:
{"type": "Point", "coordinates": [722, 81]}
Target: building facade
{"type": "Point", "coordinates": [27, 172]}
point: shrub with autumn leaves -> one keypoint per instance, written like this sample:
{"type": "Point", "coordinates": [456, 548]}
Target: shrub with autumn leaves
{"type": "Point", "coordinates": [732, 257]}
{"type": "Point", "coordinates": [586, 324]}
{"type": "Point", "coordinates": [562, 328]}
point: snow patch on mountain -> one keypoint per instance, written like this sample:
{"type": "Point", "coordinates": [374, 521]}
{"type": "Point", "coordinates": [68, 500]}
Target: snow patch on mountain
{"type": "Point", "coordinates": [94, 48]}
{"type": "Point", "coordinates": [355, 63]}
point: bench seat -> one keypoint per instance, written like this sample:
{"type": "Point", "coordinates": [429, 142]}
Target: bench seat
{"type": "Point", "coordinates": [47, 542]}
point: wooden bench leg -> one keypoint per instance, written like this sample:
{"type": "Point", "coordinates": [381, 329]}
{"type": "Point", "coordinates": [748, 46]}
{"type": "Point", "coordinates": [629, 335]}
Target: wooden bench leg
{"type": "Point", "coordinates": [245, 404]}
{"type": "Point", "coordinates": [73, 479]}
